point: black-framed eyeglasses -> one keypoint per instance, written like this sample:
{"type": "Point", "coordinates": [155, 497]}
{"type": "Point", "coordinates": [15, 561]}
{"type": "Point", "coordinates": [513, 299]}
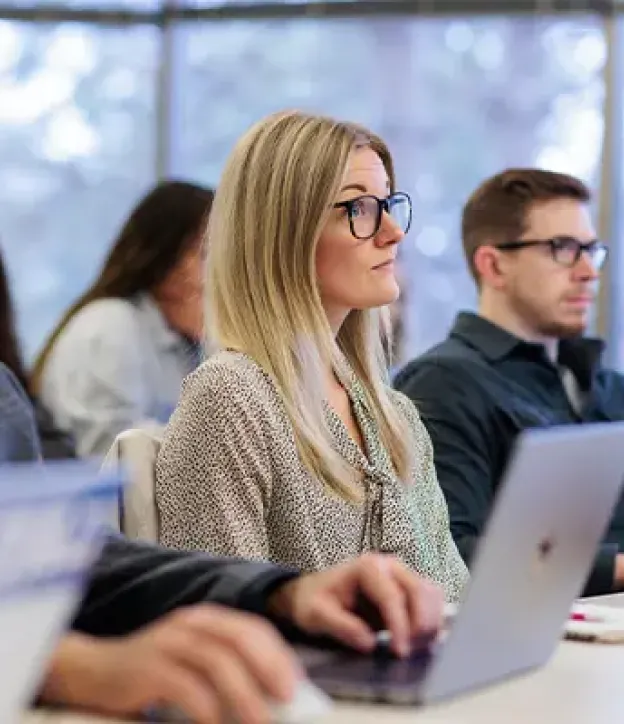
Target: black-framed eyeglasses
{"type": "Point", "coordinates": [565, 250]}
{"type": "Point", "coordinates": [365, 212]}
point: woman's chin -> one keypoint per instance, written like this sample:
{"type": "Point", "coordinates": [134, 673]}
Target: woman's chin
{"type": "Point", "coordinates": [374, 301]}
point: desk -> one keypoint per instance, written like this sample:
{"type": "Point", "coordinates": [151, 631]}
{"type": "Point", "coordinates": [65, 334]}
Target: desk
{"type": "Point", "coordinates": [581, 684]}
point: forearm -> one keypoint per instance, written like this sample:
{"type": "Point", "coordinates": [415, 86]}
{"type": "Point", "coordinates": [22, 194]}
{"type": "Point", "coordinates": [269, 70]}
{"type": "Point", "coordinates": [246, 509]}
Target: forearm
{"type": "Point", "coordinates": [133, 584]}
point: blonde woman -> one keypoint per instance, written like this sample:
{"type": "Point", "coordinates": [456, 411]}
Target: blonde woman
{"type": "Point", "coordinates": [288, 444]}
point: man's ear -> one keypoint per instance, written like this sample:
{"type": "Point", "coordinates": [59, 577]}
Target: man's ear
{"type": "Point", "coordinates": [489, 267]}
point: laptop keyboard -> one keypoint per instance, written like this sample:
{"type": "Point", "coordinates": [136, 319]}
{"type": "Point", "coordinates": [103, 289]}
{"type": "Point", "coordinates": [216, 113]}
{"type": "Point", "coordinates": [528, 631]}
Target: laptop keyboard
{"type": "Point", "coordinates": [379, 669]}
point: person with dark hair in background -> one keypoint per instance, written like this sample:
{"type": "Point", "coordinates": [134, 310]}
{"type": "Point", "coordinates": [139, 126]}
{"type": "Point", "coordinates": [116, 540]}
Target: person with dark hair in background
{"type": "Point", "coordinates": [522, 361]}
{"type": "Point", "coordinates": [119, 355]}
{"type": "Point", "coordinates": [55, 444]}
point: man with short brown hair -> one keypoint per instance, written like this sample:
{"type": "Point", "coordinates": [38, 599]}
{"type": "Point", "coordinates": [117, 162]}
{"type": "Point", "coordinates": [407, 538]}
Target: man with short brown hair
{"type": "Point", "coordinates": [522, 360]}
{"type": "Point", "coordinates": [497, 211]}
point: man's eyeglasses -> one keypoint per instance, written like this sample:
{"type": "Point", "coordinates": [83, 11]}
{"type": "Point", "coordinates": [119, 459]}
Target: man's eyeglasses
{"type": "Point", "coordinates": [364, 213]}
{"type": "Point", "coordinates": [565, 250]}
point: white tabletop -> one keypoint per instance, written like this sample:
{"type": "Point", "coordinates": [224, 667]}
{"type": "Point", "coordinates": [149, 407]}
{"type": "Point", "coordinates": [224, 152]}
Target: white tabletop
{"type": "Point", "coordinates": [581, 683]}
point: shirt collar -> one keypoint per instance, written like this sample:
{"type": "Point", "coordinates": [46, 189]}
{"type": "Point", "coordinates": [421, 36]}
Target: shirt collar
{"type": "Point", "coordinates": [581, 355]}
{"type": "Point", "coordinates": [492, 341]}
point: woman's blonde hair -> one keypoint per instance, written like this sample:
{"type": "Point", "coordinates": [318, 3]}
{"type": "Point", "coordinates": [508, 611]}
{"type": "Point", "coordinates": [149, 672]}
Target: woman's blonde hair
{"type": "Point", "coordinates": [272, 203]}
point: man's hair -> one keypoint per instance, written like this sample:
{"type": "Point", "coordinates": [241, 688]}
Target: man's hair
{"type": "Point", "coordinates": [497, 211]}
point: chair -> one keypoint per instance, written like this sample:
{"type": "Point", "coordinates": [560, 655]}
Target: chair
{"type": "Point", "coordinates": [136, 450]}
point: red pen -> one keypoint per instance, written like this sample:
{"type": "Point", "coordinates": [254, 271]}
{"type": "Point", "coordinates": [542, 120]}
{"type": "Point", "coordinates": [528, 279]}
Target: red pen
{"type": "Point", "coordinates": [577, 616]}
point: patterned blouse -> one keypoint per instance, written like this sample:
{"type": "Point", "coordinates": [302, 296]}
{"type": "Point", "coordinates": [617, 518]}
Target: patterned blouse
{"type": "Point", "coordinates": [229, 481]}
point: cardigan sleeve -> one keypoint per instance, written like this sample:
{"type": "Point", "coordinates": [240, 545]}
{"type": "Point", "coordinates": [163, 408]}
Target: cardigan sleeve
{"type": "Point", "coordinates": [134, 583]}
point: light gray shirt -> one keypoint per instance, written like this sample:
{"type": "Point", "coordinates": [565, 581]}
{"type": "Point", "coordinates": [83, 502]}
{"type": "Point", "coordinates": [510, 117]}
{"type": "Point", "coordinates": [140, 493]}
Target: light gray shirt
{"type": "Point", "coordinates": [115, 366]}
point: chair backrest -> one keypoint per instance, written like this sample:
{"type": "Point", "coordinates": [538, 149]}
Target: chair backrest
{"type": "Point", "coordinates": [136, 450]}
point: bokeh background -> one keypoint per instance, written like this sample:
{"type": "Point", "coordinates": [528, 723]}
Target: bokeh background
{"type": "Point", "coordinates": [100, 98]}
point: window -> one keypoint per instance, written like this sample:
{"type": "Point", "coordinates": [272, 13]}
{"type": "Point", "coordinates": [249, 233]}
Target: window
{"type": "Point", "coordinates": [139, 5]}
{"type": "Point", "coordinates": [248, 3]}
{"type": "Point", "coordinates": [77, 143]}
{"type": "Point", "coordinates": [457, 100]}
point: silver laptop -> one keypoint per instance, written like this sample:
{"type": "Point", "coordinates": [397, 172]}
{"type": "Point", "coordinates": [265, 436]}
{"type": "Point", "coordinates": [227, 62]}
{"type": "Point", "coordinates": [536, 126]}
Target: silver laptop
{"type": "Point", "coordinates": [555, 502]}
{"type": "Point", "coordinates": [51, 525]}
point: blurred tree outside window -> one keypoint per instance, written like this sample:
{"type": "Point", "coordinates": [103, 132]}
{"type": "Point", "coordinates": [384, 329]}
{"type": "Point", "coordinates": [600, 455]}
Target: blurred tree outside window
{"type": "Point", "coordinates": [457, 99]}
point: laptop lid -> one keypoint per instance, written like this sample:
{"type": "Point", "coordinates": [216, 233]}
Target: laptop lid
{"type": "Point", "coordinates": [552, 509]}
{"type": "Point", "coordinates": [52, 522]}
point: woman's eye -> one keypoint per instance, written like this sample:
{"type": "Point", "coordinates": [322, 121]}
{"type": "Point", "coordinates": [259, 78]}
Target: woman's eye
{"type": "Point", "coordinates": [358, 208]}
